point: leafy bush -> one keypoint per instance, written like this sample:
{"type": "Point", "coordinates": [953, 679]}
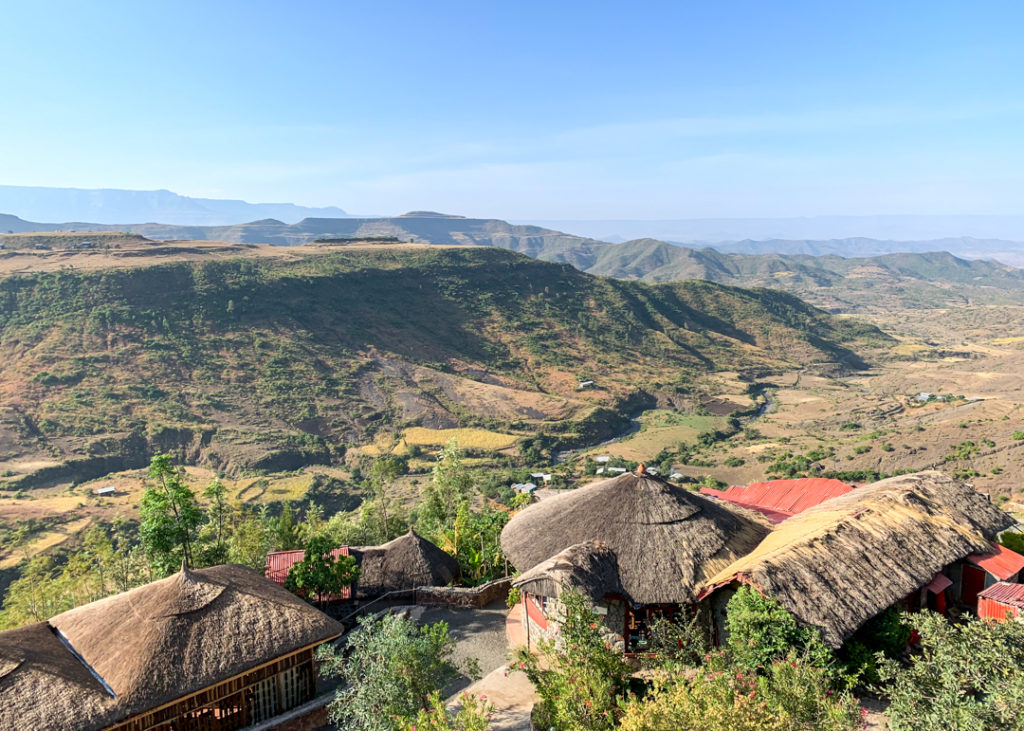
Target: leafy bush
{"type": "Point", "coordinates": [790, 694]}
{"type": "Point", "coordinates": [579, 678]}
{"type": "Point", "coordinates": [391, 671]}
{"type": "Point", "coordinates": [968, 677]}
{"type": "Point", "coordinates": [762, 631]}
{"type": "Point", "coordinates": [734, 462]}
{"type": "Point", "coordinates": [473, 714]}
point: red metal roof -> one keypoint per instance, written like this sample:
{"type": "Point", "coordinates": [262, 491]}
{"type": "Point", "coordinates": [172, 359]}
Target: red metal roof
{"type": "Point", "coordinates": [1001, 562]}
{"type": "Point", "coordinates": [939, 584]}
{"type": "Point", "coordinates": [279, 563]}
{"type": "Point", "coordinates": [779, 499]}
{"type": "Point", "coordinates": [1004, 593]}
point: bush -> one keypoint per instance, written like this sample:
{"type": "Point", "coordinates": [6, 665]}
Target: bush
{"type": "Point", "coordinates": [968, 677]}
{"type": "Point", "coordinates": [789, 694]}
{"type": "Point", "coordinates": [734, 462]}
{"type": "Point", "coordinates": [473, 715]}
{"type": "Point", "coordinates": [761, 631]}
{"type": "Point", "coordinates": [579, 678]}
{"type": "Point", "coordinates": [390, 673]}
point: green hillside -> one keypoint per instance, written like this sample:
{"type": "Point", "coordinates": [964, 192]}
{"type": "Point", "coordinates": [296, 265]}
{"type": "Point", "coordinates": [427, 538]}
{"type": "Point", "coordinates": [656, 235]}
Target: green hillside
{"type": "Point", "coordinates": [267, 363]}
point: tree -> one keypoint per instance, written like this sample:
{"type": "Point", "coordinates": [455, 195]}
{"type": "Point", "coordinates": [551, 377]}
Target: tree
{"type": "Point", "coordinates": [170, 517]}
{"type": "Point", "coordinates": [382, 474]}
{"type": "Point", "coordinates": [217, 514]}
{"type": "Point", "coordinates": [450, 485]}
{"type": "Point", "coordinates": [287, 531]}
{"type": "Point", "coordinates": [390, 671]}
{"type": "Point", "coordinates": [967, 677]}
{"type": "Point", "coordinates": [253, 537]}
{"type": "Point", "coordinates": [319, 573]}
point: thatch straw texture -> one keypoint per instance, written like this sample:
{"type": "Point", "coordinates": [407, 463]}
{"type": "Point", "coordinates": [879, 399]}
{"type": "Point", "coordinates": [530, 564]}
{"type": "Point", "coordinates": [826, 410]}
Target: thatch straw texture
{"type": "Point", "coordinates": [190, 631]}
{"type": "Point", "coordinates": [404, 563]}
{"type": "Point", "coordinates": [589, 568]}
{"type": "Point", "coordinates": [840, 563]}
{"type": "Point", "coordinates": [43, 686]}
{"type": "Point", "coordinates": [666, 540]}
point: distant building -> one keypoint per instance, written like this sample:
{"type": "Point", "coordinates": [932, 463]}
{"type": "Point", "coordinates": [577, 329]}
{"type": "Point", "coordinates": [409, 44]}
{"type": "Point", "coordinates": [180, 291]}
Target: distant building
{"type": "Point", "coordinates": [602, 460]}
{"type": "Point", "coordinates": [541, 476]}
{"type": "Point", "coordinates": [586, 384]}
{"type": "Point", "coordinates": [105, 490]}
{"type": "Point", "coordinates": [524, 488]}
{"type": "Point", "coordinates": [618, 470]}
{"type": "Point", "coordinates": [675, 476]}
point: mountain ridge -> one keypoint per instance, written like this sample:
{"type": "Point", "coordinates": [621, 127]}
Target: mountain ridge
{"type": "Point", "coordinates": [114, 205]}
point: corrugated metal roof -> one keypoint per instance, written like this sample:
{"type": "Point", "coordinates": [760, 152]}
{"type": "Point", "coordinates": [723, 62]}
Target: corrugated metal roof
{"type": "Point", "coordinates": [1001, 562]}
{"type": "Point", "coordinates": [939, 584]}
{"type": "Point", "coordinates": [1005, 593]}
{"type": "Point", "coordinates": [280, 563]}
{"type": "Point", "coordinates": [779, 499]}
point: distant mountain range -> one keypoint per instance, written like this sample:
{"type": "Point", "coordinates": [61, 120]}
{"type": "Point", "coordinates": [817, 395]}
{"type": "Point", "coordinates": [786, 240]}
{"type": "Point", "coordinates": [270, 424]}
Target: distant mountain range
{"type": "Point", "coordinates": [109, 205]}
{"type": "Point", "coordinates": [925, 274]}
{"type": "Point", "coordinates": [712, 231]}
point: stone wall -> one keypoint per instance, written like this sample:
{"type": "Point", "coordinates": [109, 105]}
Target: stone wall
{"type": "Point", "coordinates": [474, 597]}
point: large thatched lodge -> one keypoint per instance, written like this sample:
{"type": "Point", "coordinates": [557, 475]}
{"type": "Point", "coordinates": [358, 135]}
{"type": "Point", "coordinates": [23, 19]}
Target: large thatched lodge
{"type": "Point", "coordinates": [835, 556]}
{"type": "Point", "coordinates": [216, 648]}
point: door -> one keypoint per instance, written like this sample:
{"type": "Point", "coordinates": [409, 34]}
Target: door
{"type": "Point", "coordinates": [973, 584]}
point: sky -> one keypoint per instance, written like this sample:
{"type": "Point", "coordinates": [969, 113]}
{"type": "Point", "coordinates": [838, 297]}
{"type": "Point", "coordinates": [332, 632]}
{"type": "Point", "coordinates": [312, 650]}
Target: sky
{"type": "Point", "coordinates": [525, 110]}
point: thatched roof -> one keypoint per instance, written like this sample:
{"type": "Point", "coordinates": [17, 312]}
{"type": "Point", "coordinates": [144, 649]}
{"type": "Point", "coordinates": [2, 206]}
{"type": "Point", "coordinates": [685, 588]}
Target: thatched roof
{"type": "Point", "coordinates": [590, 568]}
{"type": "Point", "coordinates": [666, 540]}
{"type": "Point", "coordinates": [401, 564]}
{"type": "Point", "coordinates": [150, 646]}
{"type": "Point", "coordinates": [43, 685]}
{"type": "Point", "coordinates": [840, 563]}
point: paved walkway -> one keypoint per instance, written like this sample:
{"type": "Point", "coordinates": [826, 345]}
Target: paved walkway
{"type": "Point", "coordinates": [512, 695]}
{"type": "Point", "coordinates": [510, 692]}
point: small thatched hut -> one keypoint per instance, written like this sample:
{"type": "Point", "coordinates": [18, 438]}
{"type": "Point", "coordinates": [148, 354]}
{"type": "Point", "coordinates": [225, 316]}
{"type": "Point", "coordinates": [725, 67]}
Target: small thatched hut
{"type": "Point", "coordinates": [218, 648]}
{"type": "Point", "coordinates": [636, 545]}
{"type": "Point", "coordinates": [840, 563]}
{"type": "Point", "coordinates": [402, 564]}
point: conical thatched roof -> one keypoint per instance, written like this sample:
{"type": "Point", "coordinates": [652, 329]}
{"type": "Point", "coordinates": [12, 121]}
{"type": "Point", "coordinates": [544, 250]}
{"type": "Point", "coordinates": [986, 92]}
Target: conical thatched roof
{"type": "Point", "coordinates": [403, 563]}
{"type": "Point", "coordinates": [590, 568]}
{"type": "Point", "coordinates": [840, 563]}
{"type": "Point", "coordinates": [192, 630]}
{"type": "Point", "coordinates": [666, 540]}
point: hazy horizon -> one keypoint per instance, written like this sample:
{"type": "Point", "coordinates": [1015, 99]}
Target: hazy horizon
{"type": "Point", "coordinates": [533, 111]}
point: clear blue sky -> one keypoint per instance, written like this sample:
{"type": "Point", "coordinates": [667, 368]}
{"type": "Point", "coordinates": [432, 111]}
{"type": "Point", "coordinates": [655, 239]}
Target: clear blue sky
{"type": "Point", "coordinates": [525, 109]}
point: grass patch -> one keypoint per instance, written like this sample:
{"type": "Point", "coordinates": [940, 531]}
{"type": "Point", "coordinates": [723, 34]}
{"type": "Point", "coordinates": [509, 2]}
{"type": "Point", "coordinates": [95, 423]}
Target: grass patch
{"type": "Point", "coordinates": [466, 438]}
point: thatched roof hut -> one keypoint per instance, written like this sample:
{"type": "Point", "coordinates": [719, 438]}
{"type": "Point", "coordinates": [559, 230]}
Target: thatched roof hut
{"type": "Point", "coordinates": [838, 564]}
{"type": "Point", "coordinates": [590, 568]}
{"type": "Point", "coordinates": [120, 656]}
{"type": "Point", "coordinates": [666, 540]}
{"type": "Point", "coordinates": [401, 564]}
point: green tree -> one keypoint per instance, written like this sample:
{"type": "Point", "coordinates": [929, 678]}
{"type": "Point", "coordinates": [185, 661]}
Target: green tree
{"type": "Point", "coordinates": [967, 677]}
{"type": "Point", "coordinates": [450, 485]}
{"type": "Point", "coordinates": [382, 474]}
{"type": "Point", "coordinates": [287, 532]}
{"type": "Point", "coordinates": [389, 673]}
{"type": "Point", "coordinates": [319, 573]}
{"type": "Point", "coordinates": [170, 517]}
{"type": "Point", "coordinates": [218, 512]}
{"type": "Point", "coordinates": [253, 537]}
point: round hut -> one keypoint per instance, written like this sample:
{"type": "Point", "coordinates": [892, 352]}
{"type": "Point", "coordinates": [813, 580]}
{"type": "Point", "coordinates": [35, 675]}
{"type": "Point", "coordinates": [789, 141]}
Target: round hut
{"type": "Point", "coordinates": [403, 564]}
{"type": "Point", "coordinates": [637, 546]}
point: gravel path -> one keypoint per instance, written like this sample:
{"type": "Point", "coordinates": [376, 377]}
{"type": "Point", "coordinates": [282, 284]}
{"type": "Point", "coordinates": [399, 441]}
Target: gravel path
{"type": "Point", "coordinates": [479, 634]}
